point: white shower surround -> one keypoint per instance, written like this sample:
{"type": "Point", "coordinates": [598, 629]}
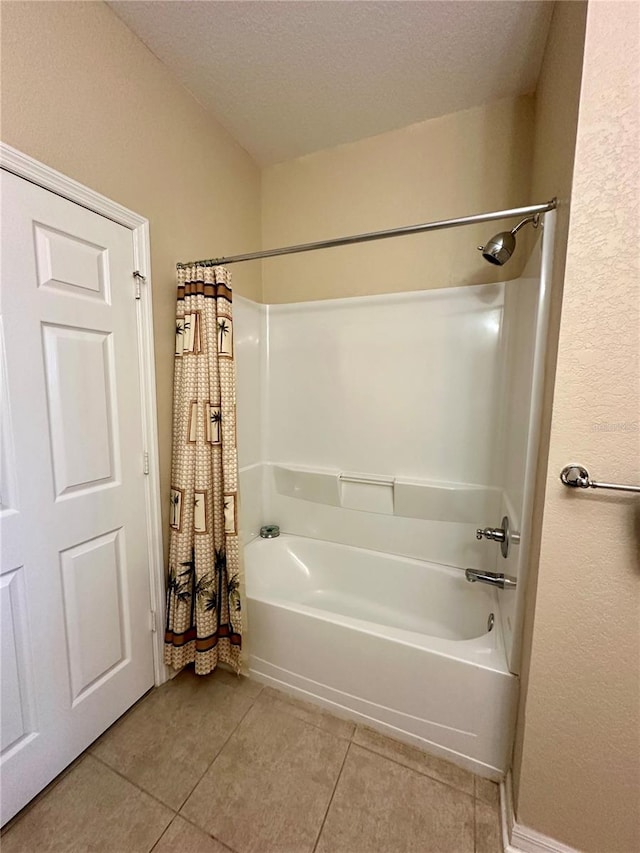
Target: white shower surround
{"type": "Point", "coordinates": [320, 369]}
{"type": "Point", "coordinates": [460, 371]}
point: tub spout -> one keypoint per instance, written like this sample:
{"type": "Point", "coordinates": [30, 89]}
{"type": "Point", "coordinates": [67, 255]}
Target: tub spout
{"type": "Point", "coordinates": [492, 578]}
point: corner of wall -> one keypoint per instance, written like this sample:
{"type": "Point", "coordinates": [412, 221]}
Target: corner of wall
{"type": "Point", "coordinates": [556, 122]}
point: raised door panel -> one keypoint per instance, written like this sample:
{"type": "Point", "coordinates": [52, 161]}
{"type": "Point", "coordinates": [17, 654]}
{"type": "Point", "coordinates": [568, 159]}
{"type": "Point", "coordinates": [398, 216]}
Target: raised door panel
{"type": "Point", "coordinates": [69, 263]}
{"type": "Point", "coordinates": [8, 482]}
{"type": "Point", "coordinates": [79, 376]}
{"type": "Point", "coordinates": [16, 699]}
{"type": "Point", "coordinates": [94, 604]}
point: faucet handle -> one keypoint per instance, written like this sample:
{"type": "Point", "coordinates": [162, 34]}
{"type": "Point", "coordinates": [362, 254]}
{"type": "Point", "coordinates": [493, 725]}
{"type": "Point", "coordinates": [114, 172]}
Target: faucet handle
{"type": "Point", "coordinates": [504, 535]}
{"type": "Point", "coordinates": [497, 534]}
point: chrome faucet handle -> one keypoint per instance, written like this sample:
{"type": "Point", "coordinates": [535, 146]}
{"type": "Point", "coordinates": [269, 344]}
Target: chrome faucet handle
{"type": "Point", "coordinates": [497, 534]}
{"type": "Point", "coordinates": [504, 535]}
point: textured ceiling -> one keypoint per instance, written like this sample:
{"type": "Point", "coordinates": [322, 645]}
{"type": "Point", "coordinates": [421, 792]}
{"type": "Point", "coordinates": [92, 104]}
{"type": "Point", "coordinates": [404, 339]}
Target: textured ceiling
{"type": "Point", "coordinates": [289, 78]}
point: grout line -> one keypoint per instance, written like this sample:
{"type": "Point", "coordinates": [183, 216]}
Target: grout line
{"type": "Point", "coordinates": [153, 796]}
{"type": "Point", "coordinates": [135, 784]}
{"type": "Point", "coordinates": [419, 772]}
{"type": "Point", "coordinates": [370, 749]}
{"type": "Point", "coordinates": [89, 751]}
{"type": "Point", "coordinates": [200, 829]}
{"type": "Point", "coordinates": [73, 764]}
{"type": "Point", "coordinates": [473, 794]}
{"type": "Point", "coordinates": [231, 733]}
{"type": "Point", "coordinates": [475, 825]}
{"type": "Point", "coordinates": [163, 833]}
{"type": "Point", "coordinates": [333, 793]}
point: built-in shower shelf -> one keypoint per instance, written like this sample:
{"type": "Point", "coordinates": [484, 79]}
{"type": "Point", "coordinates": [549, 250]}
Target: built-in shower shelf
{"type": "Point", "coordinates": [409, 498]}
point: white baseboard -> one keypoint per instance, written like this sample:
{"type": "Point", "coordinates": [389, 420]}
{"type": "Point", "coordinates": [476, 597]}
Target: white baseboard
{"type": "Point", "coordinates": [517, 838]}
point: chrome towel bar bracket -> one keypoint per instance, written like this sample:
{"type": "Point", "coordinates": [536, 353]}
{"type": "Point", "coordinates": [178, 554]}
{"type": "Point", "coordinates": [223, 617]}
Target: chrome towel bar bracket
{"type": "Point", "coordinates": [577, 477]}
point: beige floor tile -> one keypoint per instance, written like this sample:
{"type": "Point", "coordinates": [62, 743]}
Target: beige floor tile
{"type": "Point", "coordinates": [269, 788]}
{"type": "Point", "coordinates": [167, 742]}
{"type": "Point", "coordinates": [487, 791]}
{"type": "Point", "coordinates": [184, 837]}
{"type": "Point", "coordinates": [307, 712]}
{"type": "Point", "coordinates": [238, 682]}
{"type": "Point", "coordinates": [91, 810]}
{"type": "Point", "coordinates": [488, 831]}
{"type": "Point", "coordinates": [382, 807]}
{"type": "Point", "coordinates": [416, 759]}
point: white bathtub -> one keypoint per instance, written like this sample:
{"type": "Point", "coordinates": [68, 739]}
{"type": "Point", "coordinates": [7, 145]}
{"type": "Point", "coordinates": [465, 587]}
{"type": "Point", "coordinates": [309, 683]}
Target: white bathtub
{"type": "Point", "coordinates": [399, 644]}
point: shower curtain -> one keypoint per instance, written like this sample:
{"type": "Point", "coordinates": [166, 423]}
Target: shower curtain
{"type": "Point", "coordinates": [204, 604]}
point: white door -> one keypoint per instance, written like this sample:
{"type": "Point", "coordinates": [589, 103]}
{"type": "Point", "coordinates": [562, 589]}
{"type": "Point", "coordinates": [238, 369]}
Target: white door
{"type": "Point", "coordinates": [74, 584]}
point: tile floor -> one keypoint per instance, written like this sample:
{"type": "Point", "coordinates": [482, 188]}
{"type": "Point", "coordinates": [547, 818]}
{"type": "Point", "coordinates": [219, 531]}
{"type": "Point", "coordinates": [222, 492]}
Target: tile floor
{"type": "Point", "coordinates": [219, 764]}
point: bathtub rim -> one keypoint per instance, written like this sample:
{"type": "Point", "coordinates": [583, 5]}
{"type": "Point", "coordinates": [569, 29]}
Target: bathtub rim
{"type": "Point", "coordinates": [285, 536]}
{"type": "Point", "coordinates": [486, 651]}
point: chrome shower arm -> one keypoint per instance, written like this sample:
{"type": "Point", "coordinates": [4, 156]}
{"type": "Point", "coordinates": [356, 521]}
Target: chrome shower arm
{"type": "Point", "coordinates": [535, 219]}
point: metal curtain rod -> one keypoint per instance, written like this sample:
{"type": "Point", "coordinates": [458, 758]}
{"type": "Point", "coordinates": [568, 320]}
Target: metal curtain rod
{"type": "Point", "coordinates": [375, 235]}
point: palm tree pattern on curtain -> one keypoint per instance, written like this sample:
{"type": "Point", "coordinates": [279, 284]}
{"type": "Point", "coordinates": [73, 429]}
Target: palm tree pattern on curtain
{"type": "Point", "coordinates": [204, 604]}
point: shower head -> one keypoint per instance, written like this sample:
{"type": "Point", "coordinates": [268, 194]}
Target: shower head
{"type": "Point", "coordinates": [499, 248]}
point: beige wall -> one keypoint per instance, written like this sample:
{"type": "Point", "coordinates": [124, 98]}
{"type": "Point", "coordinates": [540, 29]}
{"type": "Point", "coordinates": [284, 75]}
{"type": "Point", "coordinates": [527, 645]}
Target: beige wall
{"type": "Point", "coordinates": [466, 162]}
{"type": "Point", "coordinates": [579, 773]}
{"type": "Point", "coordinates": [554, 150]}
{"type": "Point", "coordinates": [82, 94]}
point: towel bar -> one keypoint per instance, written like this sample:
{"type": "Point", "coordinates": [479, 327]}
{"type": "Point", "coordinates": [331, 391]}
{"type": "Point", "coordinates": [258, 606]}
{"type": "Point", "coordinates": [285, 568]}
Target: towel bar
{"type": "Point", "coordinates": [577, 477]}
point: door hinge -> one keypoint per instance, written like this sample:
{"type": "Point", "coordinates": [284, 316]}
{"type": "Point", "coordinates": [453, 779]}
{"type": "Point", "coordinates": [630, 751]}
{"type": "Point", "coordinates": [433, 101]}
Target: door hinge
{"type": "Point", "coordinates": [138, 278]}
{"type": "Point", "coordinates": [152, 616]}
{"type": "Point", "coordinates": [145, 462]}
